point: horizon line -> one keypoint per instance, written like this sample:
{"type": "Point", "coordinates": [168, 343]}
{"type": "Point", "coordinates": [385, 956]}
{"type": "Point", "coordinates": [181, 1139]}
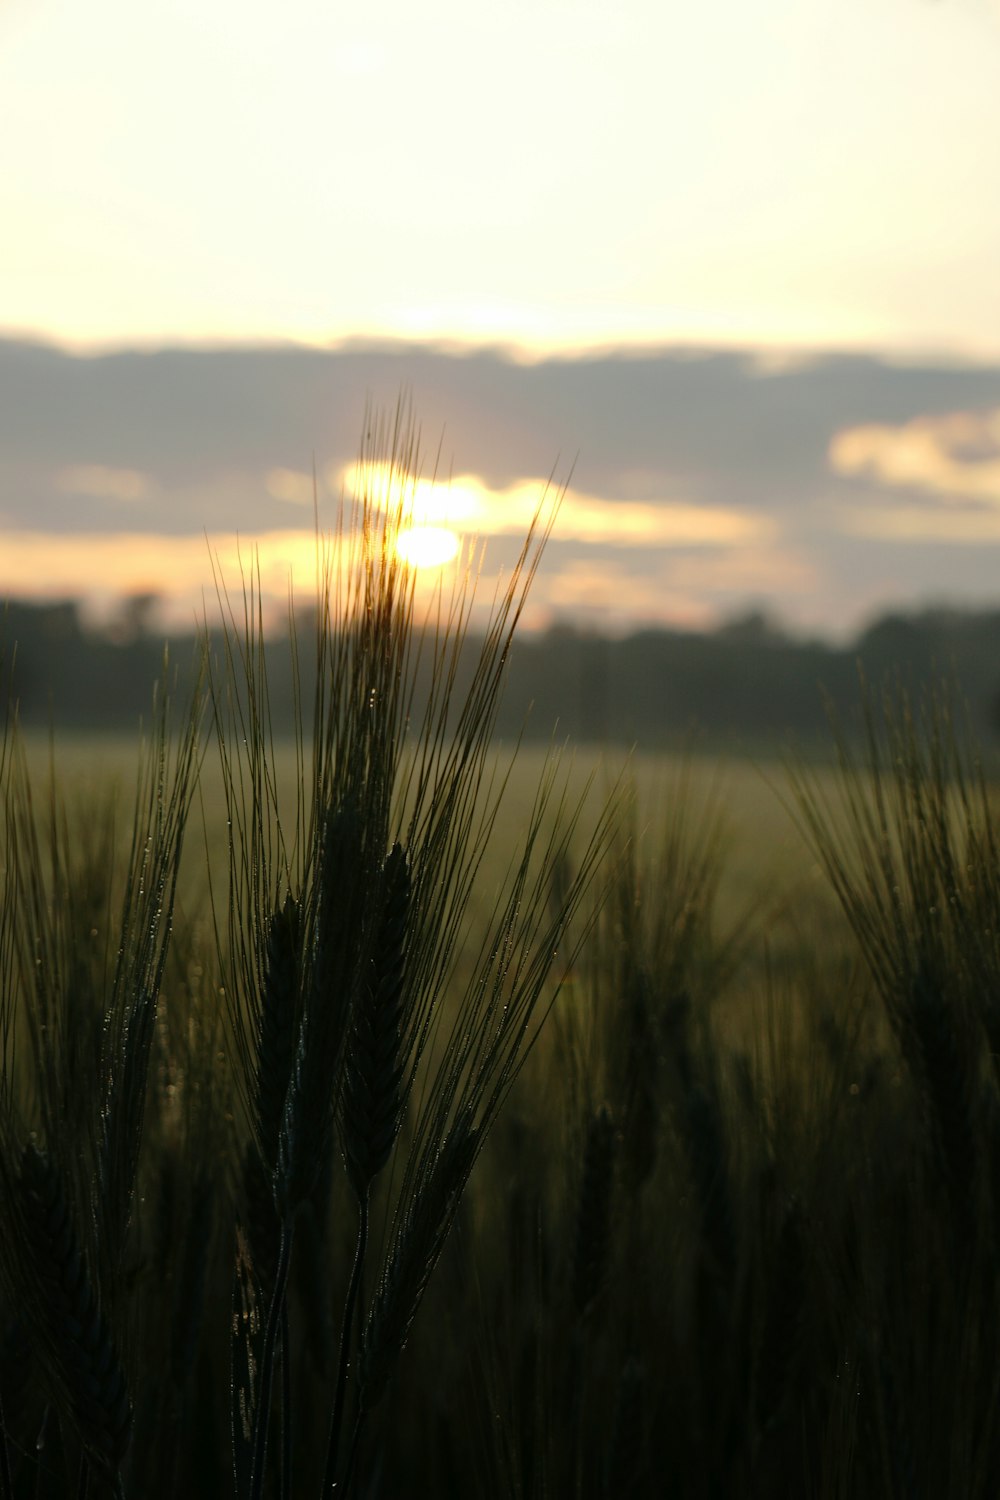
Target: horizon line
{"type": "Point", "coordinates": [773, 356]}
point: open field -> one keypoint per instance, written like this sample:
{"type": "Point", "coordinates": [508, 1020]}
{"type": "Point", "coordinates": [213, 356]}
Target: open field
{"type": "Point", "coordinates": [767, 857]}
{"type": "Point", "coordinates": [366, 1132]}
{"type": "Point", "coordinates": [713, 1231]}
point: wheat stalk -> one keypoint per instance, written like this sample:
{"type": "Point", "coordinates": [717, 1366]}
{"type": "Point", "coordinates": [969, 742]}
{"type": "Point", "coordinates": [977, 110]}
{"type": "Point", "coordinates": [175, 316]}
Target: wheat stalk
{"type": "Point", "coordinates": [83, 1360]}
{"type": "Point", "coordinates": [373, 1102]}
{"type": "Point", "coordinates": [591, 1243]}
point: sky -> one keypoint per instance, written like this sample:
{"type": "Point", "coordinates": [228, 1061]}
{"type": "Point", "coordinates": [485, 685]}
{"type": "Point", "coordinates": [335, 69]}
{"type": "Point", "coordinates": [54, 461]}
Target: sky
{"type": "Point", "coordinates": [780, 184]}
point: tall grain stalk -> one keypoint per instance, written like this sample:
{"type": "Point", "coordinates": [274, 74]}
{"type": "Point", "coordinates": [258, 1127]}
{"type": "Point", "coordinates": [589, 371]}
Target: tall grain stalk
{"type": "Point", "coordinates": [81, 985]}
{"type": "Point", "coordinates": [913, 856]}
{"type": "Point", "coordinates": [395, 805]}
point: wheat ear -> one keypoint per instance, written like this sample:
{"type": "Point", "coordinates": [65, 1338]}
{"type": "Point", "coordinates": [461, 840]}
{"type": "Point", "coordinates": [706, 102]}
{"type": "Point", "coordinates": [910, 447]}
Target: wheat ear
{"type": "Point", "coordinates": [6, 1482]}
{"type": "Point", "coordinates": [640, 1123]}
{"type": "Point", "coordinates": [416, 1248]}
{"type": "Point", "coordinates": [944, 1078]}
{"type": "Point", "coordinates": [279, 1018]}
{"type": "Point", "coordinates": [372, 1097]}
{"type": "Point", "coordinates": [315, 1078]}
{"type": "Point", "coordinates": [591, 1245]}
{"type": "Point", "coordinates": [415, 1252]}
{"type": "Point", "coordinates": [84, 1358]}
{"type": "Point", "coordinates": [782, 1327]}
{"type": "Point", "coordinates": [374, 1069]}
{"type": "Point", "coordinates": [313, 1089]}
{"type": "Point", "coordinates": [625, 1463]}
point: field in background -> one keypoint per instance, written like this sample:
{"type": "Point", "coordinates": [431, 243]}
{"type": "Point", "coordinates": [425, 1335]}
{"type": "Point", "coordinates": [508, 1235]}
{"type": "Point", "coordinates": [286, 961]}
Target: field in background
{"type": "Point", "coordinates": [767, 857]}
{"type": "Point", "coordinates": [769, 897]}
{"type": "Point", "coordinates": [688, 1248]}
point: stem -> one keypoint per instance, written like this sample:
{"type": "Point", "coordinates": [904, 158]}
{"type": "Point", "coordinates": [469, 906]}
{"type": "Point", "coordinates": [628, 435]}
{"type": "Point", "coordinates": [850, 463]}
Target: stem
{"type": "Point", "coordinates": [353, 1450]}
{"type": "Point", "coordinates": [336, 1421]}
{"type": "Point", "coordinates": [40, 1451]}
{"type": "Point", "coordinates": [6, 1484]}
{"type": "Point", "coordinates": [263, 1412]}
{"type": "Point", "coordinates": [577, 1384]}
{"type": "Point", "coordinates": [286, 1405]}
{"type": "Point", "coordinates": [84, 1484]}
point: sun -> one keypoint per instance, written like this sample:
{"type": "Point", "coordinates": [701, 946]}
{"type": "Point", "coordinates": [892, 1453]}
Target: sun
{"type": "Point", "coordinates": [427, 546]}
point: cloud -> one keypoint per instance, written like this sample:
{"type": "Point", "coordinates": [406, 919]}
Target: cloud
{"type": "Point", "coordinates": [754, 571]}
{"type": "Point", "coordinates": [666, 523]}
{"type": "Point", "coordinates": [98, 482]}
{"type": "Point", "coordinates": [615, 597]}
{"type": "Point", "coordinates": [701, 480]}
{"type": "Point", "coordinates": [187, 573]}
{"type": "Point", "coordinates": [468, 504]}
{"type": "Point", "coordinates": [685, 590]}
{"type": "Point", "coordinates": [959, 527]}
{"type": "Point", "coordinates": [177, 568]}
{"type": "Point", "coordinates": [955, 456]}
{"type": "Point", "coordinates": [291, 486]}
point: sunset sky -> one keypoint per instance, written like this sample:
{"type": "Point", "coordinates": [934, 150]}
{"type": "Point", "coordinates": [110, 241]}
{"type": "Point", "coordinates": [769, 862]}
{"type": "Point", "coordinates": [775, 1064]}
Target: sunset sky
{"type": "Point", "coordinates": [775, 184]}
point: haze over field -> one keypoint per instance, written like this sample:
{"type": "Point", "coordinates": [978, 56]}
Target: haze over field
{"type": "Point", "coordinates": [728, 269]}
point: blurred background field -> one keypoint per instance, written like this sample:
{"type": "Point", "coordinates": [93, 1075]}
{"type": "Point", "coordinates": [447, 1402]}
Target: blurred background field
{"type": "Point", "coordinates": [741, 1198]}
{"type": "Point", "coordinates": [766, 867]}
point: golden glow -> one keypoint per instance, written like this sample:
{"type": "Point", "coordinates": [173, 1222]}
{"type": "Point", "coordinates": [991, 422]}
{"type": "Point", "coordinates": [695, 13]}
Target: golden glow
{"type": "Point", "coordinates": [430, 523]}
{"type": "Point", "coordinates": [291, 486]}
{"type": "Point", "coordinates": [620, 596]}
{"type": "Point", "coordinates": [179, 569]}
{"type": "Point", "coordinates": [427, 546]}
{"type": "Point", "coordinates": [98, 482]}
{"type": "Point", "coordinates": [956, 455]}
{"type": "Point", "coordinates": [466, 505]}
{"type": "Point", "coordinates": [908, 523]}
{"type": "Point", "coordinates": [755, 570]}
{"type": "Point", "coordinates": [423, 502]}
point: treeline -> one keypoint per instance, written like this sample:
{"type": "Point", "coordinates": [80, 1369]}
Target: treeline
{"type": "Point", "coordinates": [745, 684]}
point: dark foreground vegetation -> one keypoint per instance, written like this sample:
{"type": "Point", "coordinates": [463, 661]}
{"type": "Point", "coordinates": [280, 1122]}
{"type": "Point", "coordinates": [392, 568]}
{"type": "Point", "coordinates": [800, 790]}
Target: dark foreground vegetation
{"type": "Point", "coordinates": [361, 1190]}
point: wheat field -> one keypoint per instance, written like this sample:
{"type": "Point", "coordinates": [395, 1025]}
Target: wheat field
{"type": "Point", "coordinates": [387, 1113]}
